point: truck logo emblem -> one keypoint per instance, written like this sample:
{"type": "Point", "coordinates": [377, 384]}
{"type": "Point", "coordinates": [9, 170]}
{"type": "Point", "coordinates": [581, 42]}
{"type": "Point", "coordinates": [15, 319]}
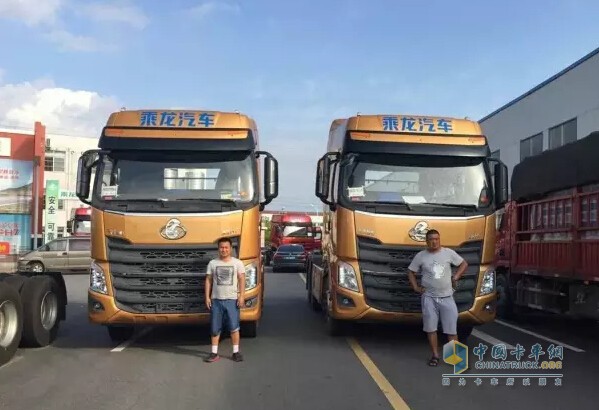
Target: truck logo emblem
{"type": "Point", "coordinates": [173, 230]}
{"type": "Point", "coordinates": [418, 232]}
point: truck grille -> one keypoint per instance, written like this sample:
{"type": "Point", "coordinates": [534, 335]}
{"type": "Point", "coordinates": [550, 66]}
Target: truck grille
{"type": "Point", "coordinates": [384, 270]}
{"type": "Point", "coordinates": [160, 278]}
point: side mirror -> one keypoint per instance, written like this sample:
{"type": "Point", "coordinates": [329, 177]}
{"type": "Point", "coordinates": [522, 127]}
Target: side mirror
{"type": "Point", "coordinates": [323, 178]}
{"type": "Point", "coordinates": [271, 178]}
{"type": "Point", "coordinates": [501, 184]}
{"type": "Point", "coordinates": [84, 174]}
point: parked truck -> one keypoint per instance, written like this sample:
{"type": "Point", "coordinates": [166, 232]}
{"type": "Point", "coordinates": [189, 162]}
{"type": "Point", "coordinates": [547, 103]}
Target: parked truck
{"type": "Point", "coordinates": [293, 228]}
{"type": "Point", "coordinates": [32, 306]}
{"type": "Point", "coordinates": [80, 223]}
{"type": "Point", "coordinates": [385, 181]}
{"type": "Point", "coordinates": [168, 184]}
{"type": "Point", "coordinates": [548, 240]}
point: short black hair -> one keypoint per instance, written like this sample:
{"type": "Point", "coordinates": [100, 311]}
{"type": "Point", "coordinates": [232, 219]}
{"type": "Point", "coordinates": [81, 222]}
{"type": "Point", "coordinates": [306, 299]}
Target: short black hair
{"type": "Point", "coordinates": [221, 240]}
{"type": "Point", "coordinates": [432, 232]}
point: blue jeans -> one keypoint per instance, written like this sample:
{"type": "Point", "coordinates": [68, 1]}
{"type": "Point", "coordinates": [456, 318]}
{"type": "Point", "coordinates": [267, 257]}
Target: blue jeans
{"type": "Point", "coordinates": [224, 310]}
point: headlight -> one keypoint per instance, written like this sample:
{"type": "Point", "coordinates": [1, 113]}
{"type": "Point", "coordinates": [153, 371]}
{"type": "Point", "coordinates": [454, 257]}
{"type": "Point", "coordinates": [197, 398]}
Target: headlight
{"type": "Point", "coordinates": [97, 279]}
{"type": "Point", "coordinates": [488, 284]}
{"type": "Point", "coordinates": [251, 276]}
{"type": "Point", "coordinates": [347, 276]}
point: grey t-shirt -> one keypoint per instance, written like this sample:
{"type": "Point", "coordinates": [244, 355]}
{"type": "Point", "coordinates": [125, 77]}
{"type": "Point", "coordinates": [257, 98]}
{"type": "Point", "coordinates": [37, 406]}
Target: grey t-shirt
{"type": "Point", "coordinates": [435, 268]}
{"type": "Point", "coordinates": [225, 277]}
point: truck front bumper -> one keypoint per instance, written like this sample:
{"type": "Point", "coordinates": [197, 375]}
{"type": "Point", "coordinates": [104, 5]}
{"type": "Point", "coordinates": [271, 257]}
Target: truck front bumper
{"type": "Point", "coordinates": [347, 305]}
{"type": "Point", "coordinates": [103, 310]}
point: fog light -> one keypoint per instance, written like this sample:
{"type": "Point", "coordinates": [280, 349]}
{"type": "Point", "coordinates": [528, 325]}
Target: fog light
{"type": "Point", "coordinates": [250, 302]}
{"type": "Point", "coordinates": [345, 301]}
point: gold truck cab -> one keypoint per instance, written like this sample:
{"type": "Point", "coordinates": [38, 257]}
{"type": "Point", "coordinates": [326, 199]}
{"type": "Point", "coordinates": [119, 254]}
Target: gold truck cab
{"type": "Point", "coordinates": [164, 186]}
{"type": "Point", "coordinates": [385, 181]}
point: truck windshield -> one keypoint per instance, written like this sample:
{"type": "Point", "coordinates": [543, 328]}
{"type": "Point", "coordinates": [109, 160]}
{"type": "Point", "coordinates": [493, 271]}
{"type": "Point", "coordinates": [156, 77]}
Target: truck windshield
{"type": "Point", "coordinates": [83, 227]}
{"type": "Point", "coordinates": [151, 176]}
{"type": "Point", "coordinates": [296, 231]}
{"type": "Point", "coordinates": [412, 180]}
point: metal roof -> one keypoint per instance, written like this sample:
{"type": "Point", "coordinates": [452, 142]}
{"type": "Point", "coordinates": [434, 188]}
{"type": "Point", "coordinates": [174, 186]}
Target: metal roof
{"type": "Point", "coordinates": [543, 84]}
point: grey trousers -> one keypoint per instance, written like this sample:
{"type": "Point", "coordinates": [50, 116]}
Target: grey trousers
{"type": "Point", "coordinates": [435, 308]}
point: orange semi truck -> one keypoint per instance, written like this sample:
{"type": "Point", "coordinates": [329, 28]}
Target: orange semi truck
{"type": "Point", "coordinates": [164, 185]}
{"type": "Point", "coordinates": [386, 180]}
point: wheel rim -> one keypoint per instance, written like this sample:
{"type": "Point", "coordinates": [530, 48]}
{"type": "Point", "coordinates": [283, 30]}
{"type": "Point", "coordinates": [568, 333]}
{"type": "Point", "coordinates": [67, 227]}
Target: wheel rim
{"type": "Point", "coordinates": [9, 320]}
{"type": "Point", "coordinates": [49, 310]}
{"type": "Point", "coordinates": [36, 267]}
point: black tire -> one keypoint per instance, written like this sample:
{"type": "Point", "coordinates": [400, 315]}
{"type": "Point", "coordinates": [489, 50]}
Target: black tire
{"type": "Point", "coordinates": [120, 333]}
{"type": "Point", "coordinates": [464, 333]}
{"type": "Point", "coordinates": [41, 307]}
{"type": "Point", "coordinates": [336, 327]}
{"type": "Point", "coordinates": [249, 329]}
{"type": "Point", "coordinates": [11, 322]}
{"type": "Point", "coordinates": [505, 304]}
{"type": "Point", "coordinates": [16, 281]}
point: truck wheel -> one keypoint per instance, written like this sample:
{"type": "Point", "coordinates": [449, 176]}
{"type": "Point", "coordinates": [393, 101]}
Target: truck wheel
{"type": "Point", "coordinates": [335, 327]}
{"type": "Point", "coordinates": [11, 322]}
{"type": "Point", "coordinates": [16, 281]}
{"type": "Point", "coordinates": [40, 295]}
{"type": "Point", "coordinates": [120, 333]}
{"type": "Point", "coordinates": [249, 329]}
{"type": "Point", "coordinates": [464, 333]}
{"type": "Point", "coordinates": [505, 307]}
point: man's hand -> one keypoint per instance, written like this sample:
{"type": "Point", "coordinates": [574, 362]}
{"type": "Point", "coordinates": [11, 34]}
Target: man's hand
{"type": "Point", "coordinates": [240, 301]}
{"type": "Point", "coordinates": [208, 303]}
{"type": "Point", "coordinates": [419, 289]}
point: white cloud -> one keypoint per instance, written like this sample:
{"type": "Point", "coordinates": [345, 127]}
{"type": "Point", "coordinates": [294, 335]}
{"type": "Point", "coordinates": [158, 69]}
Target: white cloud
{"type": "Point", "coordinates": [116, 13]}
{"type": "Point", "coordinates": [61, 110]}
{"type": "Point", "coordinates": [67, 41]}
{"type": "Point", "coordinates": [204, 9]}
{"type": "Point", "coordinates": [31, 12]}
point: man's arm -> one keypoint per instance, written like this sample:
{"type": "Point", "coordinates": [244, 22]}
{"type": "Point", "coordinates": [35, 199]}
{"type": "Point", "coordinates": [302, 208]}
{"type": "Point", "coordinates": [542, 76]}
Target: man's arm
{"type": "Point", "coordinates": [412, 278]}
{"type": "Point", "coordinates": [412, 269]}
{"type": "Point", "coordinates": [241, 285]}
{"type": "Point", "coordinates": [457, 260]}
{"type": "Point", "coordinates": [208, 287]}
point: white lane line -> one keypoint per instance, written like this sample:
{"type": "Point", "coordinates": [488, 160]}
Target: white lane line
{"type": "Point", "coordinates": [556, 342]}
{"type": "Point", "coordinates": [128, 342]}
{"type": "Point", "coordinates": [490, 339]}
{"type": "Point", "coordinates": [303, 277]}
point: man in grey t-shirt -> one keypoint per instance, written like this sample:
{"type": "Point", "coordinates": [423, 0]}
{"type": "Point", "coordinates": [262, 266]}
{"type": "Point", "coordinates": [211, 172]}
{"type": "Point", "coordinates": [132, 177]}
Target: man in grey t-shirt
{"type": "Point", "coordinates": [225, 287]}
{"type": "Point", "coordinates": [437, 287]}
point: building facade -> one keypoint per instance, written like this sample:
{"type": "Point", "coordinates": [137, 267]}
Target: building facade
{"type": "Point", "coordinates": [560, 110]}
{"type": "Point", "coordinates": [62, 158]}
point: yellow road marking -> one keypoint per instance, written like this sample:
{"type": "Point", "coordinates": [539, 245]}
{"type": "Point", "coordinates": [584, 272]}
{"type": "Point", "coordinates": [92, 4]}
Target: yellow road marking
{"type": "Point", "coordinates": [390, 393]}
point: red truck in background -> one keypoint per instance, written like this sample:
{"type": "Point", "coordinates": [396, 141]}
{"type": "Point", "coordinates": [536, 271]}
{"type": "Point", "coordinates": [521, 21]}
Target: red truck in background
{"type": "Point", "coordinates": [547, 247]}
{"type": "Point", "coordinates": [80, 223]}
{"type": "Point", "coordinates": [293, 228]}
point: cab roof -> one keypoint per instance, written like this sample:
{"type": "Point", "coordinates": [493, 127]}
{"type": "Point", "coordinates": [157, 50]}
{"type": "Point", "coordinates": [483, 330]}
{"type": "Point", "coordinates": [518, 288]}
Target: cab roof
{"type": "Point", "coordinates": [180, 119]}
{"type": "Point", "coordinates": [407, 123]}
{"type": "Point", "coordinates": [406, 133]}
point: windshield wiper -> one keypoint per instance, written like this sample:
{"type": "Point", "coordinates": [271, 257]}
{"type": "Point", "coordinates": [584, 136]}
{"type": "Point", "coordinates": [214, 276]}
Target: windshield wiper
{"type": "Point", "coordinates": [212, 201]}
{"type": "Point", "coordinates": [445, 205]}
{"type": "Point", "coordinates": [388, 203]}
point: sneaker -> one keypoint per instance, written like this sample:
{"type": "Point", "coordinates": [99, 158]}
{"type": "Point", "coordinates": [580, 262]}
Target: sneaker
{"type": "Point", "coordinates": [212, 358]}
{"type": "Point", "coordinates": [237, 357]}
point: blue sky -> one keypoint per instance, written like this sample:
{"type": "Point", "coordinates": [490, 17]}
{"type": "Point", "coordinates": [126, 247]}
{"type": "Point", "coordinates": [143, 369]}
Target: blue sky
{"type": "Point", "coordinates": [293, 66]}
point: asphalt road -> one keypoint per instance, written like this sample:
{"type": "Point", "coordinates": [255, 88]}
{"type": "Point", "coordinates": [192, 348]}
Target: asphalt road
{"type": "Point", "coordinates": [292, 364]}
